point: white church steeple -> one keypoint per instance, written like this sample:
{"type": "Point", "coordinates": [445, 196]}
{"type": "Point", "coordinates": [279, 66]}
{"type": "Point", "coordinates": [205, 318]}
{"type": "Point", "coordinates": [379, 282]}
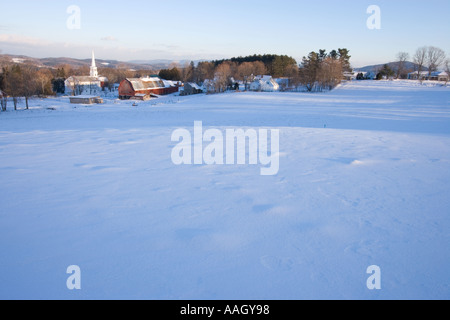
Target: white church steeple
{"type": "Point", "coordinates": [94, 71]}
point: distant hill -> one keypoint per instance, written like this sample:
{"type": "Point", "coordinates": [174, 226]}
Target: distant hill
{"type": "Point", "coordinates": [163, 63]}
{"type": "Point", "coordinates": [393, 65]}
{"type": "Point", "coordinates": [6, 59]}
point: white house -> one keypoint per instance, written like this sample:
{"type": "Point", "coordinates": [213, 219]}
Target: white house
{"type": "Point", "coordinates": [425, 75]}
{"type": "Point", "coordinates": [264, 83]}
{"type": "Point", "coordinates": [284, 83]}
{"type": "Point", "coordinates": [440, 76]}
{"type": "Point", "coordinates": [350, 75]}
{"type": "Point", "coordinates": [416, 76]}
{"type": "Point", "coordinates": [86, 85]}
{"type": "Point", "coordinates": [191, 88]}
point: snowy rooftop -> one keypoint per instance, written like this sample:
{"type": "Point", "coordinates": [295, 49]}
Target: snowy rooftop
{"type": "Point", "coordinates": [434, 73]}
{"type": "Point", "coordinates": [83, 79]}
{"type": "Point", "coordinates": [195, 86]}
{"type": "Point", "coordinates": [263, 77]}
{"type": "Point", "coordinates": [84, 97]}
{"type": "Point", "coordinates": [146, 83]}
{"type": "Point", "coordinates": [169, 83]}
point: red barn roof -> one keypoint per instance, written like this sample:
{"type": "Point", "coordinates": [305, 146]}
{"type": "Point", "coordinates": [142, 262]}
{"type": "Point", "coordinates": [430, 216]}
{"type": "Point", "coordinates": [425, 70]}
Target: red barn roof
{"type": "Point", "coordinates": [130, 87]}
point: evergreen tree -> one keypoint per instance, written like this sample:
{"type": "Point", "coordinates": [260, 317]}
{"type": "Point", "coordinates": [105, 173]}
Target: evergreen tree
{"type": "Point", "coordinates": [387, 71]}
{"type": "Point", "coordinates": [173, 74]}
{"type": "Point", "coordinates": [334, 54]}
{"type": "Point", "coordinates": [58, 85]}
{"type": "Point", "coordinates": [324, 71]}
{"type": "Point", "coordinates": [309, 70]}
{"type": "Point", "coordinates": [344, 57]}
{"type": "Point", "coordinates": [276, 65]}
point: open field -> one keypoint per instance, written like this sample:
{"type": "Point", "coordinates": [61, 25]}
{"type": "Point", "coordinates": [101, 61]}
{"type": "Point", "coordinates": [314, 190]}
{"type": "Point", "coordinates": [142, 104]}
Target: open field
{"type": "Point", "coordinates": [364, 180]}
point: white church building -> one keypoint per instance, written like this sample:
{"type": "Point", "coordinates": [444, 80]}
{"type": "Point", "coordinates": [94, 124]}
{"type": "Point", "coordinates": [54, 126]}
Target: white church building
{"type": "Point", "coordinates": [86, 85]}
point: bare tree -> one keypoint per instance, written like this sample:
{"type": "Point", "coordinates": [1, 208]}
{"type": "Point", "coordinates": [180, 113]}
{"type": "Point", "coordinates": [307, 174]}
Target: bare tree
{"type": "Point", "coordinates": [435, 58]}
{"type": "Point", "coordinates": [14, 84]}
{"type": "Point", "coordinates": [259, 68]}
{"type": "Point", "coordinates": [402, 58]}
{"type": "Point", "coordinates": [330, 73]}
{"type": "Point", "coordinates": [3, 82]}
{"type": "Point", "coordinates": [29, 85]}
{"type": "Point", "coordinates": [187, 73]}
{"type": "Point", "coordinates": [321, 71]}
{"type": "Point", "coordinates": [43, 79]}
{"type": "Point", "coordinates": [447, 70]}
{"type": "Point", "coordinates": [309, 71]}
{"type": "Point", "coordinates": [420, 59]}
{"type": "Point", "coordinates": [205, 70]}
{"type": "Point", "coordinates": [247, 71]}
{"type": "Point", "coordinates": [222, 76]}
{"type": "Point", "coordinates": [3, 101]}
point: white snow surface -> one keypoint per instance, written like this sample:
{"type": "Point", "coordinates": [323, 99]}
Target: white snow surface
{"type": "Point", "coordinates": [364, 180]}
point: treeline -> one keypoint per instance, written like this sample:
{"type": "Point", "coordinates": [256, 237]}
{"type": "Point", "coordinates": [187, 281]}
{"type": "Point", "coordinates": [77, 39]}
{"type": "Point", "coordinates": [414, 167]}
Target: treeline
{"type": "Point", "coordinates": [427, 59]}
{"type": "Point", "coordinates": [318, 71]}
{"type": "Point", "coordinates": [114, 75]}
{"type": "Point", "coordinates": [322, 70]}
{"type": "Point", "coordinates": [239, 69]}
{"type": "Point", "coordinates": [276, 65]}
{"type": "Point", "coordinates": [26, 80]}
{"type": "Point", "coordinates": [432, 58]}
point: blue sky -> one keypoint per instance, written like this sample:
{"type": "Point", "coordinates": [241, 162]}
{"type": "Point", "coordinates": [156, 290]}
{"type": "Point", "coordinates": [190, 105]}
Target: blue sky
{"type": "Point", "coordinates": [197, 29]}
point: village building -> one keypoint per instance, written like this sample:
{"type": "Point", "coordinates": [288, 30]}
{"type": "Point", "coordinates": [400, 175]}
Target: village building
{"type": "Point", "coordinates": [209, 85]}
{"type": "Point", "coordinates": [284, 83]}
{"type": "Point", "coordinates": [148, 86]}
{"type": "Point", "coordinates": [349, 76]}
{"type": "Point", "coordinates": [191, 88]}
{"type": "Point", "coordinates": [141, 97]}
{"type": "Point", "coordinates": [440, 76]}
{"type": "Point", "coordinates": [264, 83]}
{"type": "Point", "coordinates": [425, 75]}
{"type": "Point", "coordinates": [85, 100]}
{"type": "Point", "coordinates": [86, 85]}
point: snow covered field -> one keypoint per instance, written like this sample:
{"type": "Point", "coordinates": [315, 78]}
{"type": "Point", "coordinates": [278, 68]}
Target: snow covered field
{"type": "Point", "coordinates": [364, 180]}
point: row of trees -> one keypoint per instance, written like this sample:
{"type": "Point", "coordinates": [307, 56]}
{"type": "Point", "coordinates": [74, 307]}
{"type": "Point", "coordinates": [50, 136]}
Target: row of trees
{"type": "Point", "coordinates": [430, 57]}
{"type": "Point", "coordinates": [426, 58]}
{"type": "Point", "coordinates": [26, 80]}
{"type": "Point", "coordinates": [275, 65]}
{"type": "Point", "coordinates": [239, 69]}
{"type": "Point", "coordinates": [318, 71]}
{"type": "Point", "coordinates": [114, 75]}
{"type": "Point", "coordinates": [322, 70]}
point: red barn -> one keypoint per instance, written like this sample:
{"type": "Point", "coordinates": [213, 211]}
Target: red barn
{"type": "Point", "coordinates": [145, 86]}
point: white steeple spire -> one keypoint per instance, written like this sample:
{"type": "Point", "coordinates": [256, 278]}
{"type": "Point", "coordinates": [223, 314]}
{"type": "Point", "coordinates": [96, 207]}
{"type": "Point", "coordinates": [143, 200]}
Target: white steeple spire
{"type": "Point", "coordinates": [94, 71]}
